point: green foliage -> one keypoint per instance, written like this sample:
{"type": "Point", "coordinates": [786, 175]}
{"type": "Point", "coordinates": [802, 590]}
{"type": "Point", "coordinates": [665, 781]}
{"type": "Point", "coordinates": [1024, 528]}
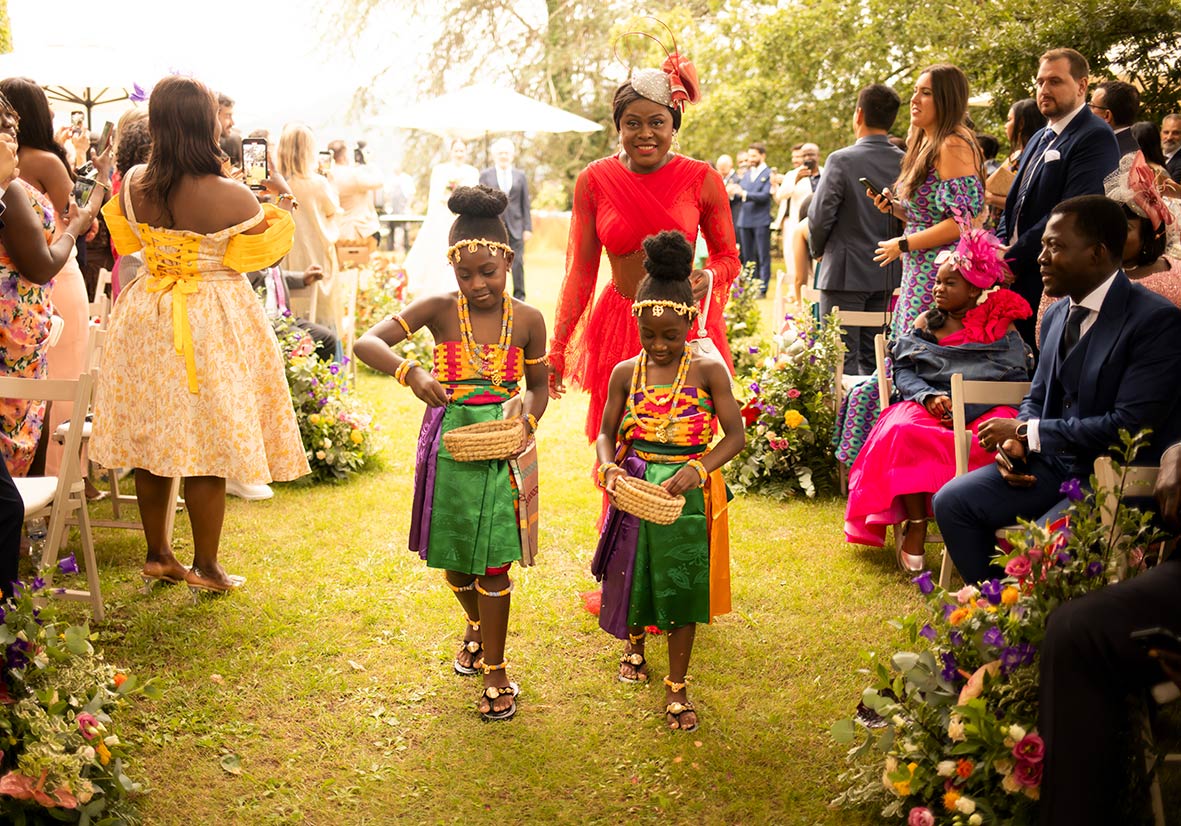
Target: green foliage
{"type": "Point", "coordinates": [381, 293]}
{"type": "Point", "coordinates": [744, 322]}
{"type": "Point", "coordinates": [63, 760]}
{"type": "Point", "coordinates": [5, 29]}
{"type": "Point", "coordinates": [949, 724]}
{"type": "Point", "coordinates": [789, 414]}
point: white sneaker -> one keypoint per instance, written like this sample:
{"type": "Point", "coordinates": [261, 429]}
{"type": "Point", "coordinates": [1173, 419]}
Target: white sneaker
{"type": "Point", "coordinates": [248, 492]}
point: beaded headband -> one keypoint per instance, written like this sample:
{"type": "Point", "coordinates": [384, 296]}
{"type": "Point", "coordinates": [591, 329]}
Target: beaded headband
{"type": "Point", "coordinates": [658, 306]}
{"type": "Point", "coordinates": [471, 244]}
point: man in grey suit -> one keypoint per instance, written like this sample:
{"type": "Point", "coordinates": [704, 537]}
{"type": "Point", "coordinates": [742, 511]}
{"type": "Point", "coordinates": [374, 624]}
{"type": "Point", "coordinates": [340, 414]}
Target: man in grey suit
{"type": "Point", "coordinates": [845, 225]}
{"type": "Point", "coordinates": [518, 219]}
{"type": "Point", "coordinates": [1118, 103]}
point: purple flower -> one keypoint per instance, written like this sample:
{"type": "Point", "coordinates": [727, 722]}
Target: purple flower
{"type": "Point", "coordinates": [994, 637]}
{"type": "Point", "coordinates": [948, 608]}
{"type": "Point", "coordinates": [772, 409]}
{"type": "Point", "coordinates": [38, 583]}
{"type": "Point", "coordinates": [788, 317]}
{"type": "Point", "coordinates": [928, 632]}
{"type": "Point", "coordinates": [754, 388]}
{"type": "Point", "coordinates": [1094, 568]}
{"type": "Point", "coordinates": [991, 591]}
{"type": "Point", "coordinates": [68, 565]}
{"type": "Point", "coordinates": [1072, 489]}
{"type": "Point", "coordinates": [950, 670]}
{"type": "Point", "coordinates": [1064, 558]}
{"type": "Point", "coordinates": [333, 369]}
{"type": "Point", "coordinates": [923, 580]}
{"type": "Point", "coordinates": [752, 350]}
{"type": "Point", "coordinates": [138, 95]}
{"type": "Point", "coordinates": [1016, 656]}
{"type": "Point", "coordinates": [956, 638]}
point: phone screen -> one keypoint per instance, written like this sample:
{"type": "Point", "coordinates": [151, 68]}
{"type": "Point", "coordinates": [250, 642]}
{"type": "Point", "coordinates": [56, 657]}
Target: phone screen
{"type": "Point", "coordinates": [77, 119]}
{"type": "Point", "coordinates": [105, 137]}
{"type": "Point", "coordinates": [254, 162]}
{"type": "Point", "coordinates": [324, 166]}
{"type": "Point", "coordinates": [82, 189]}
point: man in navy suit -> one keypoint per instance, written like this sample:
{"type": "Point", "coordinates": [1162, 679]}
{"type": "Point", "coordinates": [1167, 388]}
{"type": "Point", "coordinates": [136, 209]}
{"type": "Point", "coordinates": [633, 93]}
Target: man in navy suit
{"type": "Point", "coordinates": [1170, 140]}
{"type": "Point", "coordinates": [1117, 103]}
{"type": "Point", "coordinates": [1110, 355]}
{"type": "Point", "coordinates": [517, 217]}
{"type": "Point", "coordinates": [754, 219]}
{"type": "Point", "coordinates": [1070, 156]}
{"type": "Point", "coordinates": [844, 225]}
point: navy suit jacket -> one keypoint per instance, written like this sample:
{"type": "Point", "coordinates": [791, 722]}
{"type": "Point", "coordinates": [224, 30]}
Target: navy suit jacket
{"type": "Point", "coordinates": [1122, 374]}
{"type": "Point", "coordinates": [735, 200]}
{"type": "Point", "coordinates": [756, 209]}
{"type": "Point", "coordinates": [1174, 166]}
{"type": "Point", "coordinates": [1127, 143]}
{"type": "Point", "coordinates": [845, 226]}
{"type": "Point", "coordinates": [1087, 152]}
{"type": "Point", "coordinates": [516, 216]}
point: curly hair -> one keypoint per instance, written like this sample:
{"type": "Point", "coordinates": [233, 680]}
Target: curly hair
{"type": "Point", "coordinates": [669, 261]}
{"type": "Point", "coordinates": [478, 210]}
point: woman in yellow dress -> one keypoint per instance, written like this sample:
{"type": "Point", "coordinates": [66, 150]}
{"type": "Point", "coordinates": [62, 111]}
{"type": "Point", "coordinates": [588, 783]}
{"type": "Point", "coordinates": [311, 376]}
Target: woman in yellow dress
{"type": "Point", "coordinates": [192, 382]}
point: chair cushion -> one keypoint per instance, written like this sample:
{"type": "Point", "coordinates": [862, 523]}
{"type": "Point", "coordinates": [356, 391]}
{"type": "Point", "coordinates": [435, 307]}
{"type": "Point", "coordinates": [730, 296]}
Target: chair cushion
{"type": "Point", "coordinates": [59, 435]}
{"type": "Point", "coordinates": [36, 492]}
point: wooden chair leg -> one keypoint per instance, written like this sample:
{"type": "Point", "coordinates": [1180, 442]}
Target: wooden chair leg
{"type": "Point", "coordinates": [89, 558]}
{"type": "Point", "coordinates": [173, 497]}
{"type": "Point", "coordinates": [945, 570]}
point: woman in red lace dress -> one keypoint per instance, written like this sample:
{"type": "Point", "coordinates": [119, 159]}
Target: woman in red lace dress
{"type": "Point", "coordinates": [618, 202]}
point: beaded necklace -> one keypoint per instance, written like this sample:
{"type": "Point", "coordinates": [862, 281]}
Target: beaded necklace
{"type": "Point", "coordinates": [640, 385]}
{"type": "Point", "coordinates": [493, 360]}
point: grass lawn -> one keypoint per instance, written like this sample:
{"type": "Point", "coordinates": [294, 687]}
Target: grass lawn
{"type": "Point", "coordinates": [322, 692]}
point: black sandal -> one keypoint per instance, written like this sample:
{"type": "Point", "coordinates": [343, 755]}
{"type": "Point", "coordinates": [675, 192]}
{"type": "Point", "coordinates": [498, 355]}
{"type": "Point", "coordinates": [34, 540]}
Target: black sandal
{"type": "Point", "coordinates": [473, 647]}
{"type": "Point", "coordinates": [676, 709]}
{"type": "Point", "coordinates": [492, 693]}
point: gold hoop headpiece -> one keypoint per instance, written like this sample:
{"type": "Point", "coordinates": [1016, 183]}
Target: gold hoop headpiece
{"type": "Point", "coordinates": [658, 306]}
{"type": "Point", "coordinates": [471, 243]}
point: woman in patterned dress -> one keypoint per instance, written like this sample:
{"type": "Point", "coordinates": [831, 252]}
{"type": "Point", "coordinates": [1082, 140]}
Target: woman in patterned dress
{"type": "Point", "coordinates": [192, 382]}
{"type": "Point", "coordinates": [942, 176]}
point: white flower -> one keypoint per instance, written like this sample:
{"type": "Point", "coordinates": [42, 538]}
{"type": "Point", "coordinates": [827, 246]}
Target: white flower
{"type": "Point", "coordinates": [966, 594]}
{"type": "Point", "coordinates": [327, 443]}
{"type": "Point", "coordinates": [955, 730]}
{"type": "Point", "coordinates": [320, 455]}
{"type": "Point", "coordinates": [975, 820]}
{"type": "Point", "coordinates": [789, 336]}
{"type": "Point", "coordinates": [1010, 784]}
{"type": "Point", "coordinates": [113, 740]}
{"type": "Point", "coordinates": [966, 805]}
{"type": "Point", "coordinates": [1017, 733]}
{"type": "Point", "coordinates": [87, 753]}
{"type": "Point", "coordinates": [946, 768]}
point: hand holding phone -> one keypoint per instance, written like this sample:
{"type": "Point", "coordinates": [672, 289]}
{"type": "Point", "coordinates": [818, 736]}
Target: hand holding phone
{"type": "Point", "coordinates": [255, 167]}
{"type": "Point", "coordinates": [873, 190]}
{"type": "Point", "coordinates": [1013, 464]}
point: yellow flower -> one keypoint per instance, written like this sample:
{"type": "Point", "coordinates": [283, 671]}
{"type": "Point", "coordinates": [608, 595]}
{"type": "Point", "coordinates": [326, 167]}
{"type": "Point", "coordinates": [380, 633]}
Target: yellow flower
{"type": "Point", "coordinates": [314, 419]}
{"type": "Point", "coordinates": [357, 437]}
{"type": "Point", "coordinates": [902, 787]}
{"type": "Point", "coordinates": [104, 754]}
{"type": "Point", "coordinates": [1010, 595]}
{"type": "Point", "coordinates": [959, 615]}
{"type": "Point", "coordinates": [793, 418]}
{"type": "Point", "coordinates": [949, 800]}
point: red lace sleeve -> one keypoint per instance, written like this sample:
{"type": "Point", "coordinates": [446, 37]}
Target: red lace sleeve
{"type": "Point", "coordinates": [583, 251]}
{"type": "Point", "coordinates": [718, 227]}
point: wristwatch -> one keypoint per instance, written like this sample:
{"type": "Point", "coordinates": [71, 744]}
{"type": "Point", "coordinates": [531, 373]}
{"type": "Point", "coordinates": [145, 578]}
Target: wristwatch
{"type": "Point", "coordinates": [904, 244]}
{"type": "Point", "coordinates": [1023, 431]}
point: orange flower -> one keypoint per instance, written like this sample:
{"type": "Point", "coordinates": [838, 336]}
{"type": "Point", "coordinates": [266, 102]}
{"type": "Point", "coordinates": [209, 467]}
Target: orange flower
{"type": "Point", "coordinates": [104, 754]}
{"type": "Point", "coordinates": [120, 678]}
{"type": "Point", "coordinates": [949, 800]}
{"type": "Point", "coordinates": [1010, 595]}
{"type": "Point", "coordinates": [959, 615]}
{"type": "Point", "coordinates": [964, 768]}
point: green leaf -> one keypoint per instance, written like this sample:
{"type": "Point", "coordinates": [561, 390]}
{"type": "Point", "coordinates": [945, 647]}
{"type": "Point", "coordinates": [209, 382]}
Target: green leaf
{"type": "Point", "coordinates": [231, 764]}
{"type": "Point", "coordinates": [77, 640]}
{"type": "Point", "coordinates": [844, 731]}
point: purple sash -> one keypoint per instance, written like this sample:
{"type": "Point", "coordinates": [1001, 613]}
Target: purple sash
{"type": "Point", "coordinates": [424, 479]}
{"type": "Point", "coordinates": [614, 562]}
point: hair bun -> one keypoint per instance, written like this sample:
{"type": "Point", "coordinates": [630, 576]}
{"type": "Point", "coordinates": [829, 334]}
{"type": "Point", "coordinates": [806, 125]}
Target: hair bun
{"type": "Point", "coordinates": [669, 256]}
{"type": "Point", "coordinates": [477, 201]}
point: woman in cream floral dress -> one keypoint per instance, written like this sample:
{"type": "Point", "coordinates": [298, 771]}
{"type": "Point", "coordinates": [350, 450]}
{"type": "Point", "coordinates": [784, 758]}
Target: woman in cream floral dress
{"type": "Point", "coordinates": [192, 381]}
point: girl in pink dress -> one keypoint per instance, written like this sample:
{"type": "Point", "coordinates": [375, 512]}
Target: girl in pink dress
{"type": "Point", "coordinates": [909, 454]}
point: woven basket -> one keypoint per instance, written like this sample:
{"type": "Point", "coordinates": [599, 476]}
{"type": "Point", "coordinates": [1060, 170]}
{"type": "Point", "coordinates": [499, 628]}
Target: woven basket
{"type": "Point", "coordinates": [650, 502]}
{"type": "Point", "coordinates": [482, 441]}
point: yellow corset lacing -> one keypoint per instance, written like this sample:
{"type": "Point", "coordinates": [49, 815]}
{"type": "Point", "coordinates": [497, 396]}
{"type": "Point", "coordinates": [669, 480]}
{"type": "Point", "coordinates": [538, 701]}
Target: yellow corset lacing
{"type": "Point", "coordinates": [171, 261]}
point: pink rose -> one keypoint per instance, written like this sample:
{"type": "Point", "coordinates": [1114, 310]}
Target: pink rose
{"type": "Point", "coordinates": [1019, 567]}
{"type": "Point", "coordinates": [920, 816]}
{"type": "Point", "coordinates": [1034, 554]}
{"type": "Point", "coordinates": [1028, 775]}
{"type": "Point", "coordinates": [793, 393]}
{"type": "Point", "coordinates": [1030, 749]}
{"type": "Point", "coordinates": [88, 725]}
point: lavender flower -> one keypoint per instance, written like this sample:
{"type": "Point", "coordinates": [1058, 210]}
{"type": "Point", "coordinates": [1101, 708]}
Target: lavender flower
{"type": "Point", "coordinates": [333, 369]}
{"type": "Point", "coordinates": [956, 638]}
{"type": "Point", "coordinates": [950, 671]}
{"type": "Point", "coordinates": [928, 632]}
{"type": "Point", "coordinates": [994, 637]}
{"type": "Point", "coordinates": [923, 580]}
{"type": "Point", "coordinates": [752, 350]}
{"type": "Point", "coordinates": [1072, 489]}
{"type": "Point", "coordinates": [68, 565]}
{"type": "Point", "coordinates": [38, 583]}
{"type": "Point", "coordinates": [754, 388]}
{"type": "Point", "coordinates": [1094, 569]}
{"type": "Point", "coordinates": [1064, 558]}
{"type": "Point", "coordinates": [1016, 656]}
{"type": "Point", "coordinates": [991, 591]}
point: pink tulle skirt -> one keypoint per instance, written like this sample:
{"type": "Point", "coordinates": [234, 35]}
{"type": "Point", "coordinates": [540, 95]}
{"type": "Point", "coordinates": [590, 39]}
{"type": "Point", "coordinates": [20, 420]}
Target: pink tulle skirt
{"type": "Point", "coordinates": [908, 451]}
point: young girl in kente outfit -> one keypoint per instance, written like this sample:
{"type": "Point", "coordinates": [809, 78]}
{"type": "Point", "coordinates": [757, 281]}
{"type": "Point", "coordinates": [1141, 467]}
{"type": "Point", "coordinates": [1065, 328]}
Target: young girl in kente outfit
{"type": "Point", "coordinates": [474, 519]}
{"type": "Point", "coordinates": [662, 409]}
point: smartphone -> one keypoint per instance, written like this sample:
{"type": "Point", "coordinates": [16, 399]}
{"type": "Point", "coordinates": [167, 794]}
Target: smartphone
{"type": "Point", "coordinates": [1014, 464]}
{"type": "Point", "coordinates": [105, 138]}
{"type": "Point", "coordinates": [1159, 639]}
{"type": "Point", "coordinates": [77, 120]}
{"type": "Point", "coordinates": [254, 162]}
{"type": "Point", "coordinates": [83, 186]}
{"type": "Point", "coordinates": [812, 164]}
{"type": "Point", "coordinates": [877, 193]}
{"type": "Point", "coordinates": [324, 164]}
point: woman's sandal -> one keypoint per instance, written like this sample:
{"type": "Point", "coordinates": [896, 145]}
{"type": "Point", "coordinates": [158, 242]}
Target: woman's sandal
{"type": "Point", "coordinates": [199, 583]}
{"type": "Point", "coordinates": [473, 647]}
{"type": "Point", "coordinates": [676, 709]}
{"type": "Point", "coordinates": [635, 660]}
{"type": "Point", "coordinates": [911, 563]}
{"type": "Point", "coordinates": [155, 573]}
{"type": "Point", "coordinates": [492, 693]}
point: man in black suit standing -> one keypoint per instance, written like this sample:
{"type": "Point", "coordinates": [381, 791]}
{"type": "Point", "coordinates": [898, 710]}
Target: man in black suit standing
{"type": "Point", "coordinates": [1070, 156]}
{"type": "Point", "coordinates": [517, 217]}
{"type": "Point", "coordinates": [754, 221]}
{"type": "Point", "coordinates": [1117, 103]}
{"type": "Point", "coordinates": [1170, 141]}
{"type": "Point", "coordinates": [845, 226]}
{"type": "Point", "coordinates": [1109, 357]}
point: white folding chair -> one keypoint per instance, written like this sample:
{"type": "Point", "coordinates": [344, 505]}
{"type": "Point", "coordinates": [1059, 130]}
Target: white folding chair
{"type": "Point", "coordinates": [59, 497]}
{"type": "Point", "coordinates": [963, 392]}
{"type": "Point", "coordinates": [843, 383]}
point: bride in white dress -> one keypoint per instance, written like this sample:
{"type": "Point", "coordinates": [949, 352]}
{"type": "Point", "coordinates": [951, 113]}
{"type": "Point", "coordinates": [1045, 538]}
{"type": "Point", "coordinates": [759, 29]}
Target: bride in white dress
{"type": "Point", "coordinates": [427, 268]}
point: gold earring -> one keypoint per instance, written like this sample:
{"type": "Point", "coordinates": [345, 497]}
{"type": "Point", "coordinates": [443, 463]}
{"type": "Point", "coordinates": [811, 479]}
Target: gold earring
{"type": "Point", "coordinates": [676, 142]}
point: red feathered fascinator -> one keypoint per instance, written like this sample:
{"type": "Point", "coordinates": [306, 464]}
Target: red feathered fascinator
{"type": "Point", "coordinates": [675, 83]}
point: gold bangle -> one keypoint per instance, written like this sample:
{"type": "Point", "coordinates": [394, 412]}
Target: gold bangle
{"type": "Point", "coordinates": [287, 196]}
{"type": "Point", "coordinates": [529, 417]}
{"type": "Point", "coordinates": [402, 323]}
{"type": "Point", "coordinates": [697, 465]}
{"type": "Point", "coordinates": [404, 370]}
{"type": "Point", "coordinates": [602, 472]}
{"type": "Point", "coordinates": [543, 360]}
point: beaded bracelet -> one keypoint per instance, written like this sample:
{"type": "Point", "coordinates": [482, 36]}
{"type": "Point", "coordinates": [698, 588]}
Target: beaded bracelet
{"type": "Point", "coordinates": [700, 468]}
{"type": "Point", "coordinates": [602, 472]}
{"type": "Point", "coordinates": [404, 370]}
{"type": "Point", "coordinates": [402, 323]}
{"type": "Point", "coordinates": [287, 196]}
{"type": "Point", "coordinates": [543, 360]}
{"type": "Point", "coordinates": [529, 417]}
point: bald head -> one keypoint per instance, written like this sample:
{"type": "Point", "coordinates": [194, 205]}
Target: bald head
{"type": "Point", "coordinates": [725, 165]}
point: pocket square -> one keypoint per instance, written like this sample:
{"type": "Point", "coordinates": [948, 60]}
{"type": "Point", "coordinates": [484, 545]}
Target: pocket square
{"type": "Point", "coordinates": [1051, 156]}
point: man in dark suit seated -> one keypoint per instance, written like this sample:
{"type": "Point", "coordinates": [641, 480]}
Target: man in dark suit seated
{"type": "Point", "coordinates": [1090, 668]}
{"type": "Point", "coordinates": [844, 225]}
{"type": "Point", "coordinates": [1170, 139]}
{"type": "Point", "coordinates": [1117, 103]}
{"type": "Point", "coordinates": [277, 286]}
{"type": "Point", "coordinates": [1070, 156]}
{"type": "Point", "coordinates": [1110, 360]}
{"type": "Point", "coordinates": [517, 216]}
{"type": "Point", "coordinates": [754, 219]}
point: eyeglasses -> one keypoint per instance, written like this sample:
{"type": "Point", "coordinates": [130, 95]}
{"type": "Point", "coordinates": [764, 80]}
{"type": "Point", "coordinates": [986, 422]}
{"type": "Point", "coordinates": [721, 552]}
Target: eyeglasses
{"type": "Point", "coordinates": [1097, 106]}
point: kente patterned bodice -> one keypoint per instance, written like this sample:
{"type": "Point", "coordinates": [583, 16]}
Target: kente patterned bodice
{"type": "Point", "coordinates": [691, 423]}
{"type": "Point", "coordinates": [465, 385]}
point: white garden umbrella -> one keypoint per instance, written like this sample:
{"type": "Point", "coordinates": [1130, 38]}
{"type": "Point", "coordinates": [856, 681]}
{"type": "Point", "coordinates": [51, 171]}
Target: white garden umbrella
{"type": "Point", "coordinates": [483, 109]}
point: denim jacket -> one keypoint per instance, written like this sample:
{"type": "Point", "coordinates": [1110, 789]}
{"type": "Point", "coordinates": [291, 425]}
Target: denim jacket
{"type": "Point", "coordinates": [923, 369]}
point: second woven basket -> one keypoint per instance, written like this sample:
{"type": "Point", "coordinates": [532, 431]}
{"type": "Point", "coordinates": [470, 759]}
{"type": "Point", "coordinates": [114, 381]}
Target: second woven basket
{"type": "Point", "coordinates": [482, 441]}
{"type": "Point", "coordinates": [648, 501]}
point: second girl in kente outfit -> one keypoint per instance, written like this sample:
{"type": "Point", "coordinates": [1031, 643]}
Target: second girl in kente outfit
{"type": "Point", "coordinates": [660, 418]}
{"type": "Point", "coordinates": [474, 519]}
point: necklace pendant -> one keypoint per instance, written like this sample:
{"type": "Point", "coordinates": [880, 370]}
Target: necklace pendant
{"type": "Point", "coordinates": [661, 434]}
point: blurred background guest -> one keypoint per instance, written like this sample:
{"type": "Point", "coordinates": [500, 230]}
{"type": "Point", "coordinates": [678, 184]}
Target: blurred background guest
{"type": "Point", "coordinates": [1024, 120]}
{"type": "Point", "coordinates": [517, 216]}
{"type": "Point", "coordinates": [133, 142]}
{"type": "Point", "coordinates": [427, 267]}
{"type": "Point", "coordinates": [355, 185]}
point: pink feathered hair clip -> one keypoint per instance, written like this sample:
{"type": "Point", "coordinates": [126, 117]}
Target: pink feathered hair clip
{"type": "Point", "coordinates": [978, 256]}
{"type": "Point", "coordinates": [675, 83]}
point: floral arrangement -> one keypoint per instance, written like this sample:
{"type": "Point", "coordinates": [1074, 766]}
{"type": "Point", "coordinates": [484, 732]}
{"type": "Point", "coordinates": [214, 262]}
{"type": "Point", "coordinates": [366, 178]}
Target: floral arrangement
{"type": "Point", "coordinates": [789, 411]}
{"type": "Point", "coordinates": [338, 435]}
{"type": "Point", "coordinates": [63, 760]}
{"type": "Point", "coordinates": [946, 732]}
{"type": "Point", "coordinates": [744, 321]}
{"type": "Point", "coordinates": [381, 293]}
